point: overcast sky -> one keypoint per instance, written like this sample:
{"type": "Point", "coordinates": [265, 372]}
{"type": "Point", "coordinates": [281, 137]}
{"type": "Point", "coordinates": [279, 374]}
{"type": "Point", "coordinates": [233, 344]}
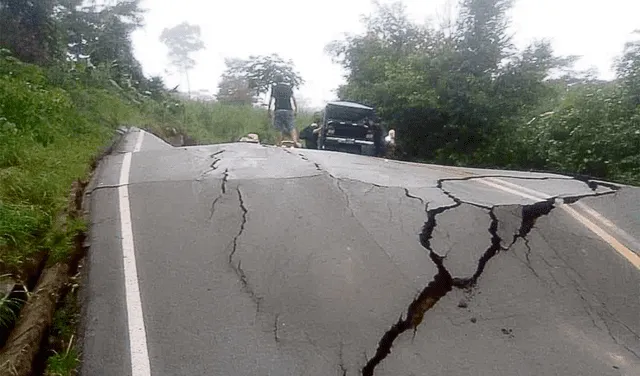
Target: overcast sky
{"type": "Point", "coordinates": [300, 29]}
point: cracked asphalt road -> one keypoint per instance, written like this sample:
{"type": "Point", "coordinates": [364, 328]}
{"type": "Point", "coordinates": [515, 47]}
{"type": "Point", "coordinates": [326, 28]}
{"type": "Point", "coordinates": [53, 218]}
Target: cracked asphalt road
{"type": "Point", "coordinates": [255, 260]}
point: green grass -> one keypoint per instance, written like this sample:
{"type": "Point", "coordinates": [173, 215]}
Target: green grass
{"type": "Point", "coordinates": [48, 136]}
{"type": "Point", "coordinates": [45, 144]}
{"type": "Point", "coordinates": [63, 364]}
{"type": "Point", "coordinates": [217, 123]}
{"type": "Point", "coordinates": [8, 309]}
{"type": "Point", "coordinates": [64, 360]}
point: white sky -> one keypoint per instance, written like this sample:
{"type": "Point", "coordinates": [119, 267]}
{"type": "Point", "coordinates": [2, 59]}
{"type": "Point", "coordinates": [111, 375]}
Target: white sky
{"type": "Point", "coordinates": [300, 29]}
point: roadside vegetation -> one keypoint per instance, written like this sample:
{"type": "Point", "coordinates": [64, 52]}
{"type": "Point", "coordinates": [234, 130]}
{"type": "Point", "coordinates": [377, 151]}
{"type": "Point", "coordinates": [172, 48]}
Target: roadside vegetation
{"type": "Point", "coordinates": [457, 93]}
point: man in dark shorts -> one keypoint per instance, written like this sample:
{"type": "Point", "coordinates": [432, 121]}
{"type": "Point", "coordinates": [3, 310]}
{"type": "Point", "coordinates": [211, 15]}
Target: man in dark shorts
{"type": "Point", "coordinates": [285, 110]}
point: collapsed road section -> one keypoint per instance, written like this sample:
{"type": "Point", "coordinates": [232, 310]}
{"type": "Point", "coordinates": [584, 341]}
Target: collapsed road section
{"type": "Point", "coordinates": [443, 282]}
{"type": "Point", "coordinates": [256, 260]}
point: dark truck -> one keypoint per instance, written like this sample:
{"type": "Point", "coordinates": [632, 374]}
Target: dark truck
{"type": "Point", "coordinates": [351, 127]}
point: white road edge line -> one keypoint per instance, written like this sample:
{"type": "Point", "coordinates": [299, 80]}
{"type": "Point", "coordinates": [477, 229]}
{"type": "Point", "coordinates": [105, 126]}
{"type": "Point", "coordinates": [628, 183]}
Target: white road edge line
{"type": "Point", "coordinates": [516, 189]}
{"type": "Point", "coordinates": [135, 319]}
{"type": "Point", "coordinates": [139, 140]}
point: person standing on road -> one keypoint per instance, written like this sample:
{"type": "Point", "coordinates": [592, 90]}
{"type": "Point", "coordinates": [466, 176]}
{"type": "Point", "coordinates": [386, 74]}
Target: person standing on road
{"type": "Point", "coordinates": [285, 110]}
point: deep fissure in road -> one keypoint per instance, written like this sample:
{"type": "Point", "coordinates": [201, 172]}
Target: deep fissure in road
{"type": "Point", "coordinates": [213, 166]}
{"type": "Point", "coordinates": [343, 368]}
{"type": "Point", "coordinates": [443, 282]}
{"type": "Point", "coordinates": [529, 215]}
{"type": "Point", "coordinates": [225, 178]}
{"type": "Point", "coordinates": [237, 268]}
{"type": "Point", "coordinates": [241, 230]}
{"type": "Point", "coordinates": [408, 194]}
{"type": "Point", "coordinates": [494, 248]}
{"type": "Point", "coordinates": [223, 190]}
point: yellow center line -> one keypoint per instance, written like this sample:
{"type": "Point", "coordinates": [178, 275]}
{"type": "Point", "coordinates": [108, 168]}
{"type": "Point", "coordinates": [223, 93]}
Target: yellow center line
{"type": "Point", "coordinates": [541, 195]}
{"type": "Point", "coordinates": [632, 241]}
{"type": "Point", "coordinates": [632, 257]}
{"type": "Point", "coordinates": [511, 190]}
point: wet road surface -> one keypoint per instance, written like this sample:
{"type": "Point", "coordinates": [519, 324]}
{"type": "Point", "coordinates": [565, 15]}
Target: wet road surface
{"type": "Point", "coordinates": [242, 259]}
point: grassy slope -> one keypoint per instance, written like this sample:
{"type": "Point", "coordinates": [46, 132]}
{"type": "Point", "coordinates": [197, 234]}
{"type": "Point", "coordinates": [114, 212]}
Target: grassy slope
{"type": "Point", "coordinates": [45, 145]}
{"type": "Point", "coordinates": [215, 123]}
{"type": "Point", "coordinates": [50, 129]}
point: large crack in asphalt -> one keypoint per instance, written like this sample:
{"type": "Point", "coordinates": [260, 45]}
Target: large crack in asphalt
{"type": "Point", "coordinates": [213, 166]}
{"type": "Point", "coordinates": [444, 282]}
{"type": "Point", "coordinates": [593, 184]}
{"type": "Point", "coordinates": [408, 194]}
{"type": "Point", "coordinates": [494, 248]}
{"type": "Point", "coordinates": [225, 177]}
{"type": "Point", "coordinates": [341, 364]}
{"type": "Point", "coordinates": [529, 214]}
{"type": "Point", "coordinates": [223, 190]}
{"type": "Point", "coordinates": [237, 268]}
{"type": "Point", "coordinates": [441, 284]}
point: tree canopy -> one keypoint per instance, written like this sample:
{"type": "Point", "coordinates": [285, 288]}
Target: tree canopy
{"type": "Point", "coordinates": [257, 73]}
{"type": "Point", "coordinates": [465, 95]}
{"type": "Point", "coordinates": [182, 40]}
{"type": "Point", "coordinates": [234, 85]}
{"type": "Point", "coordinates": [460, 94]}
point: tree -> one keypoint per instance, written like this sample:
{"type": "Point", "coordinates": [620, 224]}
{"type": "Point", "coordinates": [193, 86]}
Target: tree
{"type": "Point", "coordinates": [183, 40]}
{"type": "Point", "coordinates": [381, 63]}
{"type": "Point", "coordinates": [234, 86]}
{"type": "Point", "coordinates": [481, 37]}
{"type": "Point", "coordinates": [260, 72]}
{"type": "Point", "coordinates": [83, 32]}
{"type": "Point", "coordinates": [27, 29]}
{"type": "Point", "coordinates": [450, 92]}
{"type": "Point", "coordinates": [396, 66]}
{"type": "Point", "coordinates": [628, 70]}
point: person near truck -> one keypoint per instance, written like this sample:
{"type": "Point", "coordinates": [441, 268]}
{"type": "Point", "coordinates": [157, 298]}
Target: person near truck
{"type": "Point", "coordinates": [311, 133]}
{"type": "Point", "coordinates": [285, 110]}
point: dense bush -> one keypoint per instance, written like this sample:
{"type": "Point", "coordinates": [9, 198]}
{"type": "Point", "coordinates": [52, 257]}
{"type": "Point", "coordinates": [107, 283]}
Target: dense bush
{"type": "Point", "coordinates": [46, 144]}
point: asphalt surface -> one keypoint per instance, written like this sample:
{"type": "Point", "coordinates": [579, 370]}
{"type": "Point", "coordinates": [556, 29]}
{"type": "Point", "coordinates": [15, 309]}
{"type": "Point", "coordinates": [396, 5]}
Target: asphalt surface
{"type": "Point", "coordinates": [257, 260]}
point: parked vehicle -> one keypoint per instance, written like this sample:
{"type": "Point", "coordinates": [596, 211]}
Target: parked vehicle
{"type": "Point", "coordinates": [351, 127]}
